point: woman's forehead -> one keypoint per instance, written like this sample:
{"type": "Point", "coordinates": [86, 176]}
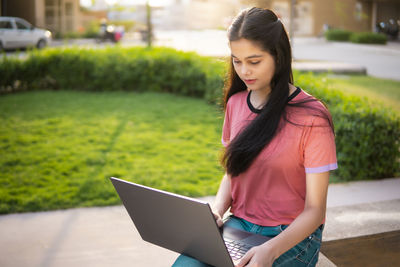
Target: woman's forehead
{"type": "Point", "coordinates": [244, 48]}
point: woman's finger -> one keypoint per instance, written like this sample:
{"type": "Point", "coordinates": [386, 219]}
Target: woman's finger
{"type": "Point", "coordinates": [246, 258]}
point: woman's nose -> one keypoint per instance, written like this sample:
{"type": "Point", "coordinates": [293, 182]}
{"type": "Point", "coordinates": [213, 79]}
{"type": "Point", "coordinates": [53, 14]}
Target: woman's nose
{"type": "Point", "coordinates": [245, 70]}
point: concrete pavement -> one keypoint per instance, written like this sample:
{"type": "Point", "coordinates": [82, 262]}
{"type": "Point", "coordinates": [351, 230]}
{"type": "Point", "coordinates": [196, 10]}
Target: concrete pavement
{"type": "Point", "coordinates": [382, 61]}
{"type": "Point", "coordinates": [106, 236]}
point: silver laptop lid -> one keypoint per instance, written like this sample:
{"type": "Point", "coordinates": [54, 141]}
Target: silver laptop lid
{"type": "Point", "coordinates": [175, 222]}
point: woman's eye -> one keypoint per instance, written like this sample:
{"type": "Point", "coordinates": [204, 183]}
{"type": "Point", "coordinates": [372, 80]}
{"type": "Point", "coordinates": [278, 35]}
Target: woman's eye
{"type": "Point", "coordinates": [254, 62]}
{"type": "Point", "coordinates": [236, 62]}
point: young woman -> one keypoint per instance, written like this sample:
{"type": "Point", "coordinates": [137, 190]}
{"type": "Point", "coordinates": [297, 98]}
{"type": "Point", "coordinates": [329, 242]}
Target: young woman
{"type": "Point", "coordinates": [280, 148]}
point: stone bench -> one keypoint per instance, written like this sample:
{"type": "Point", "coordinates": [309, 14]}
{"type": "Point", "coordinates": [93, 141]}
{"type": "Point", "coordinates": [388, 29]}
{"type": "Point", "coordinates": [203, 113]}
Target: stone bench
{"type": "Point", "coordinates": [362, 235]}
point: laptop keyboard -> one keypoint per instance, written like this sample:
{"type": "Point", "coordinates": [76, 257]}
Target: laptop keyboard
{"type": "Point", "coordinates": [236, 249]}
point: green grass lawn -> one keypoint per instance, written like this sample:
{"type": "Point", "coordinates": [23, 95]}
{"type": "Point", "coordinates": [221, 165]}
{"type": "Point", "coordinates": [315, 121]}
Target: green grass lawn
{"type": "Point", "coordinates": [59, 148]}
{"type": "Point", "coordinates": [379, 91]}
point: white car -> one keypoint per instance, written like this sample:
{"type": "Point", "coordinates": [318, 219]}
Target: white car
{"type": "Point", "coordinates": [18, 33]}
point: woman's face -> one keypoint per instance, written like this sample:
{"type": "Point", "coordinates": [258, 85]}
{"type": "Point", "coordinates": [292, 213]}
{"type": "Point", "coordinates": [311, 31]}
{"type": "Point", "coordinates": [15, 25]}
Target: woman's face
{"type": "Point", "coordinates": [253, 65]}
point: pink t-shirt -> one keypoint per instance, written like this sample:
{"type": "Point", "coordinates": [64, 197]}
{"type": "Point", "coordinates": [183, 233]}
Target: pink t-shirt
{"type": "Point", "coordinates": [272, 191]}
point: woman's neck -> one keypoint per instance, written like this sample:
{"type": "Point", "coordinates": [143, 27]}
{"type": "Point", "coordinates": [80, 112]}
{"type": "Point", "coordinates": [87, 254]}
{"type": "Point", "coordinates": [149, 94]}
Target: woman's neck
{"type": "Point", "coordinates": [259, 98]}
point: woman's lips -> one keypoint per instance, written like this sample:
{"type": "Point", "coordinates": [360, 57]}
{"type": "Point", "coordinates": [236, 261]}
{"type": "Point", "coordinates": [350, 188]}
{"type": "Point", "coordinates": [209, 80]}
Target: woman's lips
{"type": "Point", "coordinates": [250, 81]}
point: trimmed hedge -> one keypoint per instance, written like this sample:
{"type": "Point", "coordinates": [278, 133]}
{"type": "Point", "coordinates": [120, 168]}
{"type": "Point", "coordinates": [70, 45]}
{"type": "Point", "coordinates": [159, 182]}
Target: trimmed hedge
{"type": "Point", "coordinates": [367, 138]}
{"type": "Point", "coordinates": [129, 69]}
{"type": "Point", "coordinates": [355, 37]}
{"type": "Point", "coordinates": [368, 38]}
{"type": "Point", "coordinates": [338, 35]}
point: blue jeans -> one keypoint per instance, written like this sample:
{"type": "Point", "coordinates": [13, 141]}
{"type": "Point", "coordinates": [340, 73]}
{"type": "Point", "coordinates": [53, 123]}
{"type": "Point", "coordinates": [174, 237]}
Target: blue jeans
{"type": "Point", "coordinates": [304, 253]}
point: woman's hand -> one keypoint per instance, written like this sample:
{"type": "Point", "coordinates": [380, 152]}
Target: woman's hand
{"type": "Point", "coordinates": [259, 256]}
{"type": "Point", "coordinates": [218, 219]}
{"type": "Point", "coordinates": [223, 199]}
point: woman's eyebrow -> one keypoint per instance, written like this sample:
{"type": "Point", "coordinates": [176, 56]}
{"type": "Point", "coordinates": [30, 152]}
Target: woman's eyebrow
{"type": "Point", "coordinates": [249, 57]}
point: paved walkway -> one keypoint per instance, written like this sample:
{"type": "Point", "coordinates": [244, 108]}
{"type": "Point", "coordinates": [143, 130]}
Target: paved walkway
{"type": "Point", "coordinates": [382, 61]}
{"type": "Point", "coordinates": [107, 237]}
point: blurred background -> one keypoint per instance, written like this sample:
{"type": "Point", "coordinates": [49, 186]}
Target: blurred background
{"type": "Point", "coordinates": [82, 18]}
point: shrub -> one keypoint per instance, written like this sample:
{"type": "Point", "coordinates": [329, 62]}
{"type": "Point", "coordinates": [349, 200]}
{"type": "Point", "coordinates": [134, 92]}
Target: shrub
{"type": "Point", "coordinates": [11, 71]}
{"type": "Point", "coordinates": [360, 37]}
{"type": "Point", "coordinates": [367, 138]}
{"type": "Point", "coordinates": [368, 38]}
{"type": "Point", "coordinates": [338, 35]}
{"type": "Point", "coordinates": [131, 69]}
{"type": "Point", "coordinates": [71, 35]}
{"type": "Point", "coordinates": [91, 30]}
{"type": "Point", "coordinates": [127, 24]}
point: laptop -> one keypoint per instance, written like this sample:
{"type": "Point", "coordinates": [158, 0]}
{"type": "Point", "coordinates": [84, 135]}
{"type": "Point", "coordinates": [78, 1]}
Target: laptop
{"type": "Point", "coordinates": [184, 225]}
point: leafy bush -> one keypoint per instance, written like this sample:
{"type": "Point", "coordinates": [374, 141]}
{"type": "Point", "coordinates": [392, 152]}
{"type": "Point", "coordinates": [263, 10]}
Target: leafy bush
{"type": "Point", "coordinates": [337, 35]}
{"type": "Point", "coordinates": [367, 138]}
{"type": "Point", "coordinates": [368, 38]}
{"type": "Point", "coordinates": [355, 37]}
{"type": "Point", "coordinates": [130, 69]}
{"type": "Point", "coordinates": [71, 35]}
{"type": "Point", "coordinates": [127, 24]}
{"type": "Point", "coordinates": [91, 30]}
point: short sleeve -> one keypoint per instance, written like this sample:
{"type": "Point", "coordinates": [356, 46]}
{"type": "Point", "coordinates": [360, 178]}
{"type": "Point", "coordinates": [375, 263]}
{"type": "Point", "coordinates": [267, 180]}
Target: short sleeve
{"type": "Point", "coordinates": [319, 147]}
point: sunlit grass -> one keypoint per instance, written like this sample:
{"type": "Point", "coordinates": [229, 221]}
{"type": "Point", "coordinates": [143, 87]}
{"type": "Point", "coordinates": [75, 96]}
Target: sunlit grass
{"type": "Point", "coordinates": [378, 91]}
{"type": "Point", "coordinates": [58, 149]}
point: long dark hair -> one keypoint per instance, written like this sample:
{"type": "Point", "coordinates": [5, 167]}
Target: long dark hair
{"type": "Point", "coordinates": [264, 28]}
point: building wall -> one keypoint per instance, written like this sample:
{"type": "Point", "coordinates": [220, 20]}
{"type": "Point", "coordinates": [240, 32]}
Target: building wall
{"type": "Point", "coordinates": [60, 15]}
{"type": "Point", "coordinates": [304, 19]}
{"type": "Point", "coordinates": [39, 14]}
{"type": "Point", "coordinates": [70, 15]}
{"type": "Point", "coordinates": [56, 15]}
{"type": "Point", "coordinates": [351, 15]}
{"type": "Point", "coordinates": [20, 8]}
{"type": "Point", "coordinates": [312, 15]}
{"type": "Point", "coordinates": [388, 10]}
